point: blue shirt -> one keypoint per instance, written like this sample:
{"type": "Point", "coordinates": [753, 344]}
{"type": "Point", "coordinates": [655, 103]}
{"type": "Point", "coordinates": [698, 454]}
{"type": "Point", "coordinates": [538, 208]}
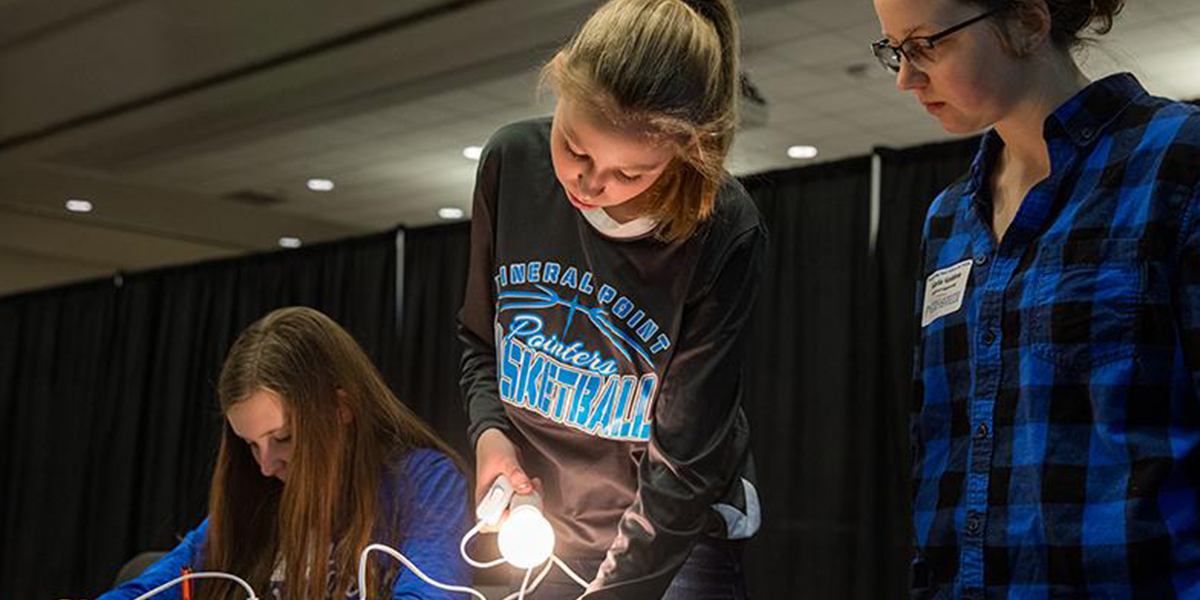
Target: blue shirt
{"type": "Point", "coordinates": [432, 497]}
{"type": "Point", "coordinates": [1057, 419]}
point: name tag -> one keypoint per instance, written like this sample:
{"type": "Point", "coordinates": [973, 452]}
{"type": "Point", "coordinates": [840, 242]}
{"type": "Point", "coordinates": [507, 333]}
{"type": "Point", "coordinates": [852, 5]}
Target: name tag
{"type": "Point", "coordinates": [944, 290]}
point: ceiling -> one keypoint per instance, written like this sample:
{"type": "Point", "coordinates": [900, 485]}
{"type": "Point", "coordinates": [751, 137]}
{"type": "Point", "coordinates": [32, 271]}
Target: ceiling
{"type": "Point", "coordinates": [192, 127]}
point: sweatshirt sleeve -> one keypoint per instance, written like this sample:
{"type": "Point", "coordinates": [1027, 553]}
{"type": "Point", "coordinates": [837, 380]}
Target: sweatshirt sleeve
{"type": "Point", "coordinates": [167, 568]}
{"type": "Point", "coordinates": [699, 437]}
{"type": "Point", "coordinates": [434, 519]}
{"type": "Point", "coordinates": [480, 390]}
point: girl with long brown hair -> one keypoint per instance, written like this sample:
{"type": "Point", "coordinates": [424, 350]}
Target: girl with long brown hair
{"type": "Point", "coordinates": [317, 460]}
{"type": "Point", "coordinates": [614, 264]}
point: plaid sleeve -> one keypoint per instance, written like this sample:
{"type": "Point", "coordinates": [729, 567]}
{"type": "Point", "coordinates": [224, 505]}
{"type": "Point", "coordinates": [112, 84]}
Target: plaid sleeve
{"type": "Point", "coordinates": [917, 389]}
{"type": "Point", "coordinates": [1189, 290]}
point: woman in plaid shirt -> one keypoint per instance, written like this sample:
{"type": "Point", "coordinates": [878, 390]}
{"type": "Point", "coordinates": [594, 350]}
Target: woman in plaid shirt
{"type": "Point", "coordinates": [1057, 415]}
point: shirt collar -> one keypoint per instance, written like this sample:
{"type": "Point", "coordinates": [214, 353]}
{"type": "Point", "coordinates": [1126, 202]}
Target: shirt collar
{"type": "Point", "coordinates": [988, 148]}
{"type": "Point", "coordinates": [1082, 119]}
{"type": "Point", "coordinates": [1089, 113]}
{"type": "Point", "coordinates": [601, 222]}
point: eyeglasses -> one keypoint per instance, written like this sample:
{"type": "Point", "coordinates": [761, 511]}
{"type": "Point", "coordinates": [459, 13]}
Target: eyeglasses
{"type": "Point", "coordinates": [917, 49]}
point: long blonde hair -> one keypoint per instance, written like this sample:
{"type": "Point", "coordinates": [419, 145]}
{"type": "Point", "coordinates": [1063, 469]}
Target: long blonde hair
{"type": "Point", "coordinates": [331, 499]}
{"type": "Point", "coordinates": [668, 67]}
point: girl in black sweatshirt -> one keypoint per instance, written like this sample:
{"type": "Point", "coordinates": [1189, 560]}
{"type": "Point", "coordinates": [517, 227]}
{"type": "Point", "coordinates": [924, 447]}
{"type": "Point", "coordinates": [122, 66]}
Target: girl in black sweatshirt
{"type": "Point", "coordinates": [614, 264]}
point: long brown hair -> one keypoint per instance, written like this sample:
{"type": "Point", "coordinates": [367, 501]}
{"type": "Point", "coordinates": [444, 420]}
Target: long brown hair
{"type": "Point", "coordinates": [670, 68]}
{"type": "Point", "coordinates": [347, 428]}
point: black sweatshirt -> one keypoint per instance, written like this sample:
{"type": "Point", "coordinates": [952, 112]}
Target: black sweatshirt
{"type": "Point", "coordinates": [615, 366]}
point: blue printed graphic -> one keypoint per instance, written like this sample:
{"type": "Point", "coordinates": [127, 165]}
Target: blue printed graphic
{"type": "Point", "coordinates": [547, 298]}
{"type": "Point", "coordinates": [607, 391]}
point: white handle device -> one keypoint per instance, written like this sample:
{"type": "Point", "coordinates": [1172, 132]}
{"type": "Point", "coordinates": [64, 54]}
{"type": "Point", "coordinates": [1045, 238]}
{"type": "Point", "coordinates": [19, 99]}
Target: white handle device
{"type": "Point", "coordinates": [491, 508]}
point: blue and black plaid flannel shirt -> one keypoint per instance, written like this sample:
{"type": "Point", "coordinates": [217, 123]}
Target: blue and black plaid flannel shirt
{"type": "Point", "coordinates": [1057, 416]}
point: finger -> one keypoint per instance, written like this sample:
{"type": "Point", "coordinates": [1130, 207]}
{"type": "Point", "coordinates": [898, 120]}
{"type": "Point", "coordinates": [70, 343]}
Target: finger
{"type": "Point", "coordinates": [519, 480]}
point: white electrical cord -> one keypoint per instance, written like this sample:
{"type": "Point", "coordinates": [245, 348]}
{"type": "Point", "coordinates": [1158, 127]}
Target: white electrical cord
{"type": "Point", "coordinates": [362, 573]}
{"type": "Point", "coordinates": [209, 574]}
{"type": "Point", "coordinates": [524, 584]}
{"type": "Point", "coordinates": [462, 549]}
{"type": "Point", "coordinates": [562, 565]}
{"type": "Point", "coordinates": [554, 560]}
{"type": "Point", "coordinates": [533, 586]}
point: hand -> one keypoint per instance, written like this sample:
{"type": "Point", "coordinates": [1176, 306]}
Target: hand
{"type": "Point", "coordinates": [495, 455]}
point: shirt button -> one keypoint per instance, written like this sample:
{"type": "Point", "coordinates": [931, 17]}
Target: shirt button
{"type": "Point", "coordinates": [981, 432]}
{"type": "Point", "coordinates": [1087, 133]}
{"type": "Point", "coordinates": [973, 523]}
{"type": "Point", "coordinates": [981, 259]}
{"type": "Point", "coordinates": [989, 337]}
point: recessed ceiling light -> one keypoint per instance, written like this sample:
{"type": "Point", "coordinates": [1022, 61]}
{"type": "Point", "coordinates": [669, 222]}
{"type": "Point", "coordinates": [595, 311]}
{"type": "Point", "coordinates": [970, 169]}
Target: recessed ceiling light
{"type": "Point", "coordinates": [78, 205]}
{"type": "Point", "coordinates": [290, 242]}
{"type": "Point", "coordinates": [450, 213]}
{"type": "Point", "coordinates": [318, 184]}
{"type": "Point", "coordinates": [802, 152]}
{"type": "Point", "coordinates": [473, 152]}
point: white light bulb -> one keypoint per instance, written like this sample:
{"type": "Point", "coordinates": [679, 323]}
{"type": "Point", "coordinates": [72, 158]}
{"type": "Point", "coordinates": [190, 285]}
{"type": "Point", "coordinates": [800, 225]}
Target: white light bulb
{"type": "Point", "coordinates": [473, 152]}
{"type": "Point", "coordinates": [290, 242]}
{"type": "Point", "coordinates": [526, 539]}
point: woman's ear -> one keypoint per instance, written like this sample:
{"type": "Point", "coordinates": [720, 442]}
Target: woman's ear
{"type": "Point", "coordinates": [1029, 28]}
{"type": "Point", "coordinates": [344, 406]}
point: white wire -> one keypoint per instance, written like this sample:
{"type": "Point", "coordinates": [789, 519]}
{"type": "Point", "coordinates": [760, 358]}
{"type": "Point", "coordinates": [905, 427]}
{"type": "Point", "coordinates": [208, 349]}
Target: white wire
{"type": "Point", "coordinates": [520, 595]}
{"type": "Point", "coordinates": [362, 573]}
{"type": "Point", "coordinates": [533, 586]}
{"type": "Point", "coordinates": [526, 586]}
{"type": "Point", "coordinates": [525, 583]}
{"type": "Point", "coordinates": [554, 560]}
{"type": "Point", "coordinates": [211, 574]}
{"type": "Point", "coordinates": [562, 565]}
{"type": "Point", "coordinates": [462, 549]}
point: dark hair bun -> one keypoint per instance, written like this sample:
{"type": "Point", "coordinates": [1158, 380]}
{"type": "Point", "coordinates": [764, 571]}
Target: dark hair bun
{"type": "Point", "coordinates": [1071, 18]}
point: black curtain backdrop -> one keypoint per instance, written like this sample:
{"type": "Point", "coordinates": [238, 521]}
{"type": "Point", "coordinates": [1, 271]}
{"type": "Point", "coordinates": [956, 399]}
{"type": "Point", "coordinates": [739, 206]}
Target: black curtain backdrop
{"type": "Point", "coordinates": [910, 180]}
{"type": "Point", "coordinates": [110, 422]}
{"type": "Point", "coordinates": [435, 274]}
{"type": "Point", "coordinates": [802, 368]}
{"type": "Point", "coordinates": [107, 395]}
{"type": "Point", "coordinates": [829, 374]}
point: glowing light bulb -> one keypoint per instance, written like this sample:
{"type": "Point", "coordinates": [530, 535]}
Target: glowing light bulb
{"type": "Point", "coordinates": [526, 539]}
